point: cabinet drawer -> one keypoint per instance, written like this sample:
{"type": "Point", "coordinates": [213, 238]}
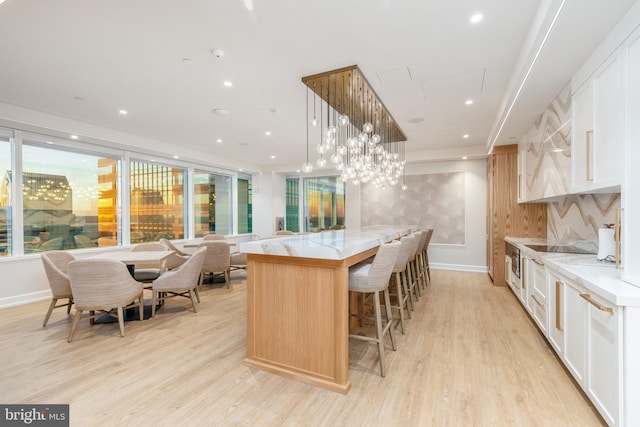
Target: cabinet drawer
{"type": "Point", "coordinates": [539, 312]}
{"type": "Point", "coordinates": [539, 280]}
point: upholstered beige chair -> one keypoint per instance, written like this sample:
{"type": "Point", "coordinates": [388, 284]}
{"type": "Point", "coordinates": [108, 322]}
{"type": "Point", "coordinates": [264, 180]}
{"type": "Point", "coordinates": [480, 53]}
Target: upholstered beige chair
{"type": "Point", "coordinates": [217, 260]}
{"type": "Point", "coordinates": [170, 246]}
{"type": "Point", "coordinates": [82, 241]}
{"type": "Point", "coordinates": [103, 285]}
{"type": "Point", "coordinates": [213, 237]}
{"type": "Point", "coordinates": [55, 266]}
{"type": "Point", "coordinates": [182, 282]}
{"type": "Point", "coordinates": [147, 273]}
{"type": "Point", "coordinates": [239, 261]}
{"type": "Point", "coordinates": [374, 278]}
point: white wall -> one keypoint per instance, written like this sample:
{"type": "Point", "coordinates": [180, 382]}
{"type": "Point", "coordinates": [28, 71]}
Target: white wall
{"type": "Point", "coordinates": [268, 201]}
{"type": "Point", "coordinates": [472, 255]}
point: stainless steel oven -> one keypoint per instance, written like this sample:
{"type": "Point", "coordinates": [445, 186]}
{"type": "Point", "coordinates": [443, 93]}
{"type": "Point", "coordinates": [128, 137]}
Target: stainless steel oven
{"type": "Point", "coordinates": [513, 252]}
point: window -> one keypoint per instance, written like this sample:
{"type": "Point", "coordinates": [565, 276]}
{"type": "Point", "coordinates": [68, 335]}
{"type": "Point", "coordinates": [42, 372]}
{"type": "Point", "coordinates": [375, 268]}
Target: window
{"type": "Point", "coordinates": [245, 215]}
{"type": "Point", "coordinates": [156, 202]}
{"type": "Point", "coordinates": [212, 204]}
{"type": "Point", "coordinates": [69, 199]}
{"type": "Point", "coordinates": [5, 195]}
{"type": "Point", "coordinates": [293, 205]}
{"type": "Point", "coordinates": [323, 203]}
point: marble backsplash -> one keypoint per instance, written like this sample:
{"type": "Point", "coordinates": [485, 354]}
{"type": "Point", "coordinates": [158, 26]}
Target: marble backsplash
{"type": "Point", "coordinates": [575, 219]}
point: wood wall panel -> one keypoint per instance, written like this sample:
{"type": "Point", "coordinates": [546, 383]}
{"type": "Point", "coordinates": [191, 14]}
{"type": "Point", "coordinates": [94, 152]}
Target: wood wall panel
{"type": "Point", "coordinates": [508, 217]}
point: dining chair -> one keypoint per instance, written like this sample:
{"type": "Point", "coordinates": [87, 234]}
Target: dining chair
{"type": "Point", "coordinates": [238, 261]}
{"type": "Point", "coordinates": [105, 286]}
{"type": "Point", "coordinates": [217, 260]}
{"type": "Point", "coordinates": [182, 281]}
{"type": "Point", "coordinates": [147, 273]}
{"type": "Point", "coordinates": [55, 266]}
{"type": "Point", "coordinates": [169, 244]}
{"type": "Point", "coordinates": [284, 233]}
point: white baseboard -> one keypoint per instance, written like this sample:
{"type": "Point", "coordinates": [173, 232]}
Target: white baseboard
{"type": "Point", "coordinates": [458, 267]}
{"type": "Point", "coordinates": [24, 298]}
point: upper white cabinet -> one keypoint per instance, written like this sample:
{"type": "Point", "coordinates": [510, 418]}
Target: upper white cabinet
{"type": "Point", "coordinates": [598, 129]}
{"type": "Point", "coordinates": [631, 188]}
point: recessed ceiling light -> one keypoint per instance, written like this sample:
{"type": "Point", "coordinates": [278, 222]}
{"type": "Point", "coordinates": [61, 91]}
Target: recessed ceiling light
{"type": "Point", "coordinates": [274, 110]}
{"type": "Point", "coordinates": [78, 98]}
{"type": "Point", "coordinates": [187, 61]}
{"type": "Point", "coordinates": [220, 112]}
{"type": "Point", "coordinates": [416, 120]}
{"type": "Point", "coordinates": [123, 112]}
{"type": "Point", "coordinates": [243, 144]}
{"type": "Point", "coordinates": [273, 157]}
{"type": "Point", "coordinates": [219, 141]}
{"type": "Point", "coordinates": [476, 18]}
{"type": "Point", "coordinates": [227, 83]}
{"type": "Point", "coordinates": [49, 142]}
{"type": "Point", "coordinates": [240, 170]}
{"type": "Point", "coordinates": [176, 157]}
{"type": "Point", "coordinates": [267, 133]}
{"type": "Point", "coordinates": [464, 157]}
{"type": "Point", "coordinates": [297, 170]}
{"type": "Point", "coordinates": [74, 136]}
{"type": "Point", "coordinates": [466, 135]}
{"type": "Point", "coordinates": [468, 102]}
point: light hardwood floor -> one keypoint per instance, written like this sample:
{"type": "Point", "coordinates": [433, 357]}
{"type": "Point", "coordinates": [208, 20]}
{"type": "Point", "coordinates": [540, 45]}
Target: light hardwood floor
{"type": "Point", "coordinates": [471, 357]}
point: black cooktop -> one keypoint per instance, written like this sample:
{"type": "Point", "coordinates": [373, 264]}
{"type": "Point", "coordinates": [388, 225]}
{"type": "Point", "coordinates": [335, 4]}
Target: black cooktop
{"type": "Point", "coordinates": [561, 249]}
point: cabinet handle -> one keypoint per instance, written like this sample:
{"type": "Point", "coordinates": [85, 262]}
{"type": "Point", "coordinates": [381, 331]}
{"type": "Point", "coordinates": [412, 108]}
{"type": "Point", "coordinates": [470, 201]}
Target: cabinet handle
{"type": "Point", "coordinates": [596, 304]}
{"type": "Point", "coordinates": [537, 262]}
{"type": "Point", "coordinates": [617, 237]}
{"type": "Point", "coordinates": [524, 276]}
{"type": "Point", "coordinates": [589, 134]}
{"type": "Point", "coordinates": [558, 307]}
{"type": "Point", "coordinates": [535, 298]}
{"type": "Point", "coordinates": [519, 186]}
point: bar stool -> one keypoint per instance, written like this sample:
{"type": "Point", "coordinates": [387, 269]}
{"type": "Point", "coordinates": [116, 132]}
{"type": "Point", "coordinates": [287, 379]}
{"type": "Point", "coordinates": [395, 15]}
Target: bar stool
{"type": "Point", "coordinates": [399, 278]}
{"type": "Point", "coordinates": [420, 269]}
{"type": "Point", "coordinates": [374, 278]}
{"type": "Point", "coordinates": [425, 253]}
{"type": "Point", "coordinates": [412, 278]}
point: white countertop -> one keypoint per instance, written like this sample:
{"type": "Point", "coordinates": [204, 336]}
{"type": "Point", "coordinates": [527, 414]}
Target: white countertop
{"type": "Point", "coordinates": [599, 277]}
{"type": "Point", "coordinates": [331, 244]}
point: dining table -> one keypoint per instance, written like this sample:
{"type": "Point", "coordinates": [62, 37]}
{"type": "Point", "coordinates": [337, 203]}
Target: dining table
{"type": "Point", "coordinates": [194, 243]}
{"type": "Point", "coordinates": [131, 258]}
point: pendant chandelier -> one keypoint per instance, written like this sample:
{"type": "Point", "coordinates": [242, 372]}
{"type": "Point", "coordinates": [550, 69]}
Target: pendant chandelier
{"type": "Point", "coordinates": [357, 134]}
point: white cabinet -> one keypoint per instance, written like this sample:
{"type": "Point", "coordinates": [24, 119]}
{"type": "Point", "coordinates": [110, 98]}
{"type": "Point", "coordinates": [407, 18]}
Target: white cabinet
{"type": "Point", "coordinates": [598, 132]}
{"type": "Point", "coordinates": [538, 294]}
{"type": "Point", "coordinates": [592, 346]}
{"type": "Point", "coordinates": [575, 332]}
{"type": "Point", "coordinates": [556, 310]}
{"type": "Point", "coordinates": [604, 357]}
{"type": "Point", "coordinates": [631, 189]}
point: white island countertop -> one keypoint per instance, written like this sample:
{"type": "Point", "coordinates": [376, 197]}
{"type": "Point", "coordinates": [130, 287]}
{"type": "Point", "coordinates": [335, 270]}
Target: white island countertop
{"type": "Point", "coordinates": [330, 244]}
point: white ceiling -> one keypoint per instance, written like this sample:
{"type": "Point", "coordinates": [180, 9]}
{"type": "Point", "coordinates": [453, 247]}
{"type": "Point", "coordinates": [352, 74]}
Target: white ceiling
{"type": "Point", "coordinates": [86, 60]}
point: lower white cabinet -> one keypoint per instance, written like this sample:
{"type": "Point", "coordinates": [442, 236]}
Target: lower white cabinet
{"type": "Point", "coordinates": [575, 332]}
{"type": "Point", "coordinates": [555, 308]}
{"type": "Point", "coordinates": [538, 294]}
{"type": "Point", "coordinates": [592, 329]}
{"type": "Point", "coordinates": [605, 354]}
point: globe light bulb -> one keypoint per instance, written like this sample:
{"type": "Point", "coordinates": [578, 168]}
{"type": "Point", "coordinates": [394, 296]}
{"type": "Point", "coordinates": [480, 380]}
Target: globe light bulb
{"type": "Point", "coordinates": [322, 162]}
{"type": "Point", "coordinates": [375, 138]}
{"type": "Point", "coordinates": [367, 127]}
{"type": "Point", "coordinates": [307, 167]}
{"type": "Point", "coordinates": [343, 120]}
{"type": "Point", "coordinates": [321, 149]}
{"type": "Point", "coordinates": [335, 158]}
{"type": "Point", "coordinates": [314, 121]}
{"type": "Point", "coordinates": [404, 187]}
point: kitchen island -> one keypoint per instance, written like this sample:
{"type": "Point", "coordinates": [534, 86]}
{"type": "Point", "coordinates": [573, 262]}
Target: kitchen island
{"type": "Point", "coordinates": [298, 302]}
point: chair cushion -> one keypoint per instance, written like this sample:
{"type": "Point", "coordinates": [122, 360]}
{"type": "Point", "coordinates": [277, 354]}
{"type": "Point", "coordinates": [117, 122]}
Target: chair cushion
{"type": "Point", "coordinates": [147, 274]}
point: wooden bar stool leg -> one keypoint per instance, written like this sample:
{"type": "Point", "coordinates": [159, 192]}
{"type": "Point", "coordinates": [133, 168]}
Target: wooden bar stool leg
{"type": "Point", "coordinates": [407, 294]}
{"type": "Point", "coordinates": [379, 334]}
